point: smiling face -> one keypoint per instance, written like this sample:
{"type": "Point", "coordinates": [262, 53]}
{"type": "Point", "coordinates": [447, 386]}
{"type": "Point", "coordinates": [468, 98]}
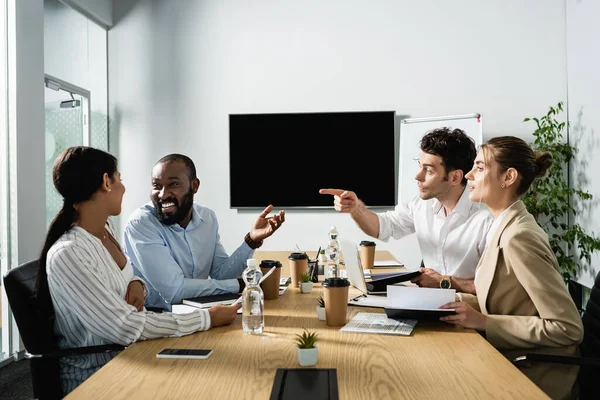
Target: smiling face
{"type": "Point", "coordinates": [432, 178]}
{"type": "Point", "coordinates": [484, 180]}
{"type": "Point", "coordinates": [173, 192]}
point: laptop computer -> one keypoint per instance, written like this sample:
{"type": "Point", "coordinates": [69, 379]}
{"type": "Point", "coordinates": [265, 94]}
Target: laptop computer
{"type": "Point", "coordinates": [354, 271]}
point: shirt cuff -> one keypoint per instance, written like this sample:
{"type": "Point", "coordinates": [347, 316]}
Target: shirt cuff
{"type": "Point", "coordinates": [140, 280]}
{"type": "Point", "coordinates": [206, 313]}
{"type": "Point", "coordinates": [233, 285]}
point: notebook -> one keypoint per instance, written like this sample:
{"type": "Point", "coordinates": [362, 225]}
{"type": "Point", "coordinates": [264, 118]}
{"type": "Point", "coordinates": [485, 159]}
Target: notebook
{"type": "Point", "coordinates": [209, 301]}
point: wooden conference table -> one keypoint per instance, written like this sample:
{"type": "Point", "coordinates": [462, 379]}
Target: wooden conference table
{"type": "Point", "coordinates": [437, 361]}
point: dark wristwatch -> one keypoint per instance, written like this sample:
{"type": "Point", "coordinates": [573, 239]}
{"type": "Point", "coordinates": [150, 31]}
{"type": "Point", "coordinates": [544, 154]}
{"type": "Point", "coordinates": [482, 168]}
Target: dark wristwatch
{"type": "Point", "coordinates": [445, 283]}
{"type": "Point", "coordinates": [252, 243]}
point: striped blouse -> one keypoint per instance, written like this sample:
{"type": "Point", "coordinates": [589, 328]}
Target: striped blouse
{"type": "Point", "coordinates": [88, 293]}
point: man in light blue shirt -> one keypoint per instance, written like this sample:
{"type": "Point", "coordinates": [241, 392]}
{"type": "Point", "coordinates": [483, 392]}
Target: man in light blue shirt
{"type": "Point", "coordinates": [174, 244]}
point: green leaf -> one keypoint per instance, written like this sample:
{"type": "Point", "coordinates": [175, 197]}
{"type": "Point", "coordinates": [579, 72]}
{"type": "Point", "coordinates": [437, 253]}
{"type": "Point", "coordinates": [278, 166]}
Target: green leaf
{"type": "Point", "coordinates": [307, 339]}
{"type": "Point", "coordinates": [550, 198]}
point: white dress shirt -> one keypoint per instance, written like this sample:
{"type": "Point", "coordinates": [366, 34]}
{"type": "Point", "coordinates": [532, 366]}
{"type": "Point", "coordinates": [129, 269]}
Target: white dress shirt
{"type": "Point", "coordinates": [496, 224]}
{"type": "Point", "coordinates": [451, 245]}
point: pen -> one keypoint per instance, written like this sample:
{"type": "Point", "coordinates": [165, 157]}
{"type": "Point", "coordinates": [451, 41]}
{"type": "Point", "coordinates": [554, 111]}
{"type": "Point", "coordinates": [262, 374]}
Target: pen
{"type": "Point", "coordinates": [265, 276]}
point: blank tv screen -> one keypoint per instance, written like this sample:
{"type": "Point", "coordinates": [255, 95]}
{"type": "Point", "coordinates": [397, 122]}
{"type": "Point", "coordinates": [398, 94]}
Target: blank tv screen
{"type": "Point", "coordinates": [284, 159]}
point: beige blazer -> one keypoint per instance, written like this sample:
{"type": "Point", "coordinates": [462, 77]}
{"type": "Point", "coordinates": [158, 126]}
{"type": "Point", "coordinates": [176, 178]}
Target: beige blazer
{"type": "Point", "coordinates": [526, 301]}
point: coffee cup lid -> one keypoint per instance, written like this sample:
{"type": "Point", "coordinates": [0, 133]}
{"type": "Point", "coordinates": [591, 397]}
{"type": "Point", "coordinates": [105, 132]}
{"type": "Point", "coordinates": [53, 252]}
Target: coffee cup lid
{"type": "Point", "coordinates": [298, 256]}
{"type": "Point", "coordinates": [270, 264]}
{"type": "Point", "coordinates": [367, 243]}
{"type": "Point", "coordinates": [336, 282]}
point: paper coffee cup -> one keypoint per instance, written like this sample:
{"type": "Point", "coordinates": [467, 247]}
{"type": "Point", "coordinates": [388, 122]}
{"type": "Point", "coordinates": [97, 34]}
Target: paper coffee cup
{"type": "Point", "coordinates": [298, 266]}
{"type": "Point", "coordinates": [367, 254]}
{"type": "Point", "coordinates": [270, 286]}
{"type": "Point", "coordinates": [336, 301]}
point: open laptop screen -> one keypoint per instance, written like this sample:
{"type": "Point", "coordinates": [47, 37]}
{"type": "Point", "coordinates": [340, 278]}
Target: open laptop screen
{"type": "Point", "coordinates": [353, 265]}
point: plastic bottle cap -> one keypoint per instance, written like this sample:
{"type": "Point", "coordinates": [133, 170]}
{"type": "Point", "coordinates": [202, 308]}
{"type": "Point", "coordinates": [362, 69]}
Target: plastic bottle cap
{"type": "Point", "coordinates": [332, 227]}
{"type": "Point", "coordinates": [251, 262]}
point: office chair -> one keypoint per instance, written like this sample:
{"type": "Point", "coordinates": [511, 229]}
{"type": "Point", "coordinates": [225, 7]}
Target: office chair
{"type": "Point", "coordinates": [589, 362]}
{"type": "Point", "coordinates": [36, 327]}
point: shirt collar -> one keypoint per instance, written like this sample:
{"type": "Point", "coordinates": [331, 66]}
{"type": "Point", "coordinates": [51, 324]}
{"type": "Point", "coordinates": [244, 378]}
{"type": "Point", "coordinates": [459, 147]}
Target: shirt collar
{"type": "Point", "coordinates": [463, 206]}
{"type": "Point", "coordinates": [506, 210]}
{"type": "Point", "coordinates": [194, 221]}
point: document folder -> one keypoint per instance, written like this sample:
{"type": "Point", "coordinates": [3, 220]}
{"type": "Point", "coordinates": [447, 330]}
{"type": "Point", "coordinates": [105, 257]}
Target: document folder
{"type": "Point", "coordinates": [419, 315]}
{"type": "Point", "coordinates": [377, 285]}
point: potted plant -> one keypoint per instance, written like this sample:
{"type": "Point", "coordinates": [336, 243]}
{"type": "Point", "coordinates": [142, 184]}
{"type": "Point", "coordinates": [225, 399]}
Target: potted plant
{"type": "Point", "coordinates": [320, 308]}
{"type": "Point", "coordinates": [551, 199]}
{"type": "Point", "coordinates": [306, 283]}
{"type": "Point", "coordinates": [306, 349]}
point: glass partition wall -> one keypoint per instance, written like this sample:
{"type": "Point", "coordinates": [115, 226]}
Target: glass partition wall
{"type": "Point", "coordinates": [67, 111]}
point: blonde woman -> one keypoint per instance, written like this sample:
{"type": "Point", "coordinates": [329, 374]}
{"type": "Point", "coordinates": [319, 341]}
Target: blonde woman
{"type": "Point", "coordinates": [522, 304]}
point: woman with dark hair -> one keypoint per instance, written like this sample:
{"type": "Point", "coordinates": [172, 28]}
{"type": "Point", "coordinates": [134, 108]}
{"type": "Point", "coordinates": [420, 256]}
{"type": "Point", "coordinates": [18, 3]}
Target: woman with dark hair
{"type": "Point", "coordinates": [522, 304]}
{"type": "Point", "coordinates": [90, 282]}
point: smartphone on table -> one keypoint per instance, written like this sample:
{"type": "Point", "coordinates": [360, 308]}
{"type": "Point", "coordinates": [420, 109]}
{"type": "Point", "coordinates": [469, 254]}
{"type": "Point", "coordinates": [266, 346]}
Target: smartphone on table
{"type": "Point", "coordinates": [184, 353]}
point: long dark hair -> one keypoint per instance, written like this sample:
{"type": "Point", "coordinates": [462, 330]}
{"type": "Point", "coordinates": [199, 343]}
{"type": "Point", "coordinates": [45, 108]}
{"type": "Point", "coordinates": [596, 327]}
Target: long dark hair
{"type": "Point", "coordinates": [77, 174]}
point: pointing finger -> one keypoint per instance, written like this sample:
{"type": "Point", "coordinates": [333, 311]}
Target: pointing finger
{"type": "Point", "coordinates": [334, 192]}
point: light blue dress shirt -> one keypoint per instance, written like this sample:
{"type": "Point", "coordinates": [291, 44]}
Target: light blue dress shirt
{"type": "Point", "coordinates": [178, 263]}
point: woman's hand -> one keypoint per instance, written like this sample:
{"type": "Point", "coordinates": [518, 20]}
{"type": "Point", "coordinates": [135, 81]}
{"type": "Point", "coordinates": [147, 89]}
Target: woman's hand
{"type": "Point", "coordinates": [223, 315]}
{"type": "Point", "coordinates": [465, 316]}
{"type": "Point", "coordinates": [135, 295]}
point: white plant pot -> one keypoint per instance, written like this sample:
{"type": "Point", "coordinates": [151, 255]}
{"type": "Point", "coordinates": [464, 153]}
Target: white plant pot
{"type": "Point", "coordinates": [306, 287]}
{"type": "Point", "coordinates": [321, 313]}
{"type": "Point", "coordinates": [307, 357]}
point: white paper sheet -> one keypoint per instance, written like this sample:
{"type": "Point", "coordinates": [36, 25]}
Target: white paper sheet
{"type": "Point", "coordinates": [182, 309]}
{"type": "Point", "coordinates": [379, 323]}
{"type": "Point", "coordinates": [387, 264]}
{"type": "Point", "coordinates": [418, 298]}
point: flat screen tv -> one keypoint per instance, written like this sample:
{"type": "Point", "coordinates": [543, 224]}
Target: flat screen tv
{"type": "Point", "coordinates": [284, 159]}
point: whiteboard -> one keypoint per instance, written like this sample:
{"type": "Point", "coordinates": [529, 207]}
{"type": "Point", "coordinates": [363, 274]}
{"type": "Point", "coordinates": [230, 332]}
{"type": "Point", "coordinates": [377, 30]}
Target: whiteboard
{"type": "Point", "coordinates": [407, 250]}
{"type": "Point", "coordinates": [411, 132]}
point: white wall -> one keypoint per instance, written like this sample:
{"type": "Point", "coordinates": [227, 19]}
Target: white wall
{"type": "Point", "coordinates": [583, 58]}
{"type": "Point", "coordinates": [75, 52]}
{"type": "Point", "coordinates": [98, 10]}
{"type": "Point", "coordinates": [177, 70]}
